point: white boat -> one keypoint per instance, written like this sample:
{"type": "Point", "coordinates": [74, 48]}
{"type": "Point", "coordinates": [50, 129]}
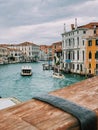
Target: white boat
{"type": "Point", "coordinates": [58, 75]}
{"type": "Point", "coordinates": [26, 71]}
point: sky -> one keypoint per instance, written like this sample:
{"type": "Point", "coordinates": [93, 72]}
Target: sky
{"type": "Point", "coordinates": [42, 21]}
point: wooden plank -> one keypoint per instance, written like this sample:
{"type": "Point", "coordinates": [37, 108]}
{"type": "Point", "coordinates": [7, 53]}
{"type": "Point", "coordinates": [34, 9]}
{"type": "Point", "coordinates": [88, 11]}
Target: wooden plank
{"type": "Point", "coordinates": [37, 115]}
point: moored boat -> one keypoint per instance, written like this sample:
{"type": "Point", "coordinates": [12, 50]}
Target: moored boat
{"type": "Point", "coordinates": [26, 71]}
{"type": "Point", "coordinates": [58, 75]}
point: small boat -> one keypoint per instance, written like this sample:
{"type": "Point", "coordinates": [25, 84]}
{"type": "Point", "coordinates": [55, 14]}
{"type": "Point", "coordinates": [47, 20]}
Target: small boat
{"type": "Point", "coordinates": [58, 75]}
{"type": "Point", "coordinates": [26, 71]}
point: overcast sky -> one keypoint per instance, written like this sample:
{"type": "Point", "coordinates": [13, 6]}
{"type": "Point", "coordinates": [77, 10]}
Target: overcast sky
{"type": "Point", "coordinates": [42, 21]}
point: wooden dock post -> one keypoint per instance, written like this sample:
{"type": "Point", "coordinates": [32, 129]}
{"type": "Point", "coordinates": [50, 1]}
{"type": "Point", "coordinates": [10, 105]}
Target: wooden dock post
{"type": "Point", "coordinates": [37, 115]}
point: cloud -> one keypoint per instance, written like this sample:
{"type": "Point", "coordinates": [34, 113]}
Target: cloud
{"type": "Point", "coordinates": [41, 21]}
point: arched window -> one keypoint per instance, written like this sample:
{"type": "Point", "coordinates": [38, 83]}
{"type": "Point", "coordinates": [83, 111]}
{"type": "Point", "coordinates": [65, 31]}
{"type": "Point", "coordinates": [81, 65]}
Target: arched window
{"type": "Point", "coordinates": [96, 55]}
{"type": "Point", "coordinates": [69, 55]}
{"type": "Point", "coordinates": [77, 55]}
{"type": "Point", "coordinates": [73, 66]}
{"type": "Point", "coordinates": [81, 67]}
{"type": "Point", "coordinates": [90, 55]}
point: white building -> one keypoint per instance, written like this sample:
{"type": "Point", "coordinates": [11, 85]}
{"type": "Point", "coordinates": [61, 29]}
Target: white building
{"type": "Point", "coordinates": [73, 47]}
{"type": "Point", "coordinates": [30, 50]}
{"type": "Point", "coordinates": [15, 55]}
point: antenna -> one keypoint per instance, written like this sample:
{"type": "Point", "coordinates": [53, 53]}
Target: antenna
{"type": "Point", "coordinates": [75, 23]}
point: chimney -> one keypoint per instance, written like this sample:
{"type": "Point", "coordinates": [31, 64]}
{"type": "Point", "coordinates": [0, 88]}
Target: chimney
{"type": "Point", "coordinates": [75, 23]}
{"type": "Point", "coordinates": [64, 28]}
{"type": "Point", "coordinates": [72, 27]}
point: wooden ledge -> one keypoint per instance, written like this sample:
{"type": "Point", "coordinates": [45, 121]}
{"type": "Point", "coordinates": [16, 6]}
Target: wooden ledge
{"type": "Point", "coordinates": [37, 115]}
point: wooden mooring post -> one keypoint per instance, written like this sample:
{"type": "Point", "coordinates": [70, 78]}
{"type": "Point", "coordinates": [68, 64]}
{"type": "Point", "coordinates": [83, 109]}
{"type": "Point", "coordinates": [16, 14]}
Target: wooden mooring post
{"type": "Point", "coordinates": [38, 115]}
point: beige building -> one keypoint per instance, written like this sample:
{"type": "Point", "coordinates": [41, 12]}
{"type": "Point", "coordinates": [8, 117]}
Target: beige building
{"type": "Point", "coordinates": [30, 50]}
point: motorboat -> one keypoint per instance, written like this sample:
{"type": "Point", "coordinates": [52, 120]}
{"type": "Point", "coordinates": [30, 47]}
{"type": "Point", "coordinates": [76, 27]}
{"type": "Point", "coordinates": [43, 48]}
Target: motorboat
{"type": "Point", "coordinates": [26, 71]}
{"type": "Point", "coordinates": [58, 75]}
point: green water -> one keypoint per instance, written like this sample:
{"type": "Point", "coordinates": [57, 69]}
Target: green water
{"type": "Point", "coordinates": [12, 84]}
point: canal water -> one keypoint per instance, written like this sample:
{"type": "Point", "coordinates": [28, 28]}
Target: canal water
{"type": "Point", "coordinates": [12, 84]}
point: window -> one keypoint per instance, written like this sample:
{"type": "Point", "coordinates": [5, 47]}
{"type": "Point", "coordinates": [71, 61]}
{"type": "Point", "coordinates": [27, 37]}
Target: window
{"type": "Point", "coordinates": [89, 66]}
{"type": "Point", "coordinates": [96, 66]}
{"type": "Point", "coordinates": [73, 55]}
{"type": "Point", "coordinates": [90, 43]}
{"type": "Point", "coordinates": [81, 67]}
{"type": "Point", "coordinates": [77, 40]}
{"type": "Point", "coordinates": [94, 31]}
{"type": "Point", "coordinates": [73, 42]}
{"type": "Point", "coordinates": [15, 54]}
{"type": "Point", "coordinates": [69, 42]}
{"type": "Point", "coordinates": [83, 55]}
{"type": "Point", "coordinates": [96, 55]}
{"type": "Point", "coordinates": [90, 55]}
{"type": "Point", "coordinates": [83, 42]}
{"type": "Point", "coordinates": [77, 55]}
{"type": "Point", "coordinates": [73, 66]}
{"type": "Point", "coordinates": [90, 71]}
{"type": "Point", "coordinates": [69, 56]}
{"type": "Point", "coordinates": [97, 42]}
{"type": "Point", "coordinates": [84, 32]}
{"type": "Point", "coordinates": [77, 67]}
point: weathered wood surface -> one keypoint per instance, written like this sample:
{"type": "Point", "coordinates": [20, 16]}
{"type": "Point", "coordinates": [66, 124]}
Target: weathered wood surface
{"type": "Point", "coordinates": [36, 115]}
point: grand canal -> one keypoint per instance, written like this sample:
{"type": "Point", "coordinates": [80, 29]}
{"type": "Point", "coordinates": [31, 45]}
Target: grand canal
{"type": "Point", "coordinates": [12, 84]}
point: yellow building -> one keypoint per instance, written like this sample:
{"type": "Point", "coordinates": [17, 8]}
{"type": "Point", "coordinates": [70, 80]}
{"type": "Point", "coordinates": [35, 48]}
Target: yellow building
{"type": "Point", "coordinates": [91, 63]}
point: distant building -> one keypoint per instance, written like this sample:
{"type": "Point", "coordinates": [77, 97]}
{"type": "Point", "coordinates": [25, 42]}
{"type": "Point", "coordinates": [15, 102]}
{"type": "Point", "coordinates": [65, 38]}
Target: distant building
{"type": "Point", "coordinates": [57, 52]}
{"type": "Point", "coordinates": [74, 47]}
{"type": "Point", "coordinates": [30, 50]}
{"type": "Point", "coordinates": [3, 54]}
{"type": "Point", "coordinates": [45, 52]}
{"type": "Point", "coordinates": [15, 56]}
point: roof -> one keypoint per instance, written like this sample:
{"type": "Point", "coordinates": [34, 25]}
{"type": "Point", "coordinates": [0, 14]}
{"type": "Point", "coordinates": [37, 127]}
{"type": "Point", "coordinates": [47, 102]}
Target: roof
{"type": "Point", "coordinates": [95, 36]}
{"type": "Point", "coordinates": [90, 25]}
{"type": "Point", "coordinates": [26, 44]}
{"type": "Point", "coordinates": [26, 68]}
{"type": "Point", "coordinates": [57, 43]}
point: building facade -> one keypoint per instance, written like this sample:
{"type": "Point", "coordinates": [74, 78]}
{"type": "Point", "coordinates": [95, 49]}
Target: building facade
{"type": "Point", "coordinates": [91, 63]}
{"type": "Point", "coordinates": [30, 50]}
{"type": "Point", "coordinates": [45, 52]}
{"type": "Point", "coordinates": [57, 53]}
{"type": "Point", "coordinates": [15, 56]}
{"type": "Point", "coordinates": [74, 47]}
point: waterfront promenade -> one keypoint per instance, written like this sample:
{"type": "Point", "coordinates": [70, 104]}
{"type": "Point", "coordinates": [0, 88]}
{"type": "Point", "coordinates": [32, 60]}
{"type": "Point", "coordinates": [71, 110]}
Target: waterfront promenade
{"type": "Point", "coordinates": [37, 115]}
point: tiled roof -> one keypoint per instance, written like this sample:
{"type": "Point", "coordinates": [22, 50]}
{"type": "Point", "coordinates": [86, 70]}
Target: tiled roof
{"type": "Point", "coordinates": [26, 44]}
{"type": "Point", "coordinates": [89, 25]}
{"type": "Point", "coordinates": [57, 43]}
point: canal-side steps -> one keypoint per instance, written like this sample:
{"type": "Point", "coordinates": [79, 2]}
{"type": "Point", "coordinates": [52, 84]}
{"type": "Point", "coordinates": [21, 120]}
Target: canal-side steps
{"type": "Point", "coordinates": [59, 110]}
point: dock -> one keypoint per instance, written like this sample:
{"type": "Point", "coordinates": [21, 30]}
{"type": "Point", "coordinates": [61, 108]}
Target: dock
{"type": "Point", "coordinates": [38, 115]}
